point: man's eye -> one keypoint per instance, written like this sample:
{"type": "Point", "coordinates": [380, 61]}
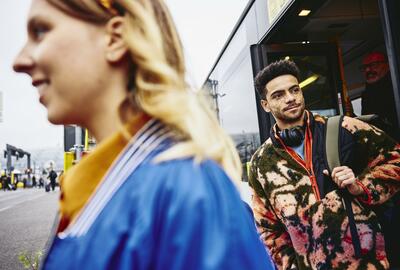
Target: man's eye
{"type": "Point", "coordinates": [296, 90]}
{"type": "Point", "coordinates": [277, 96]}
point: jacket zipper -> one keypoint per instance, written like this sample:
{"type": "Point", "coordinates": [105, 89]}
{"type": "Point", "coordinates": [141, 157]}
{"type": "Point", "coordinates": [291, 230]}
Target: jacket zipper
{"type": "Point", "coordinates": [310, 172]}
{"type": "Point", "coordinates": [313, 179]}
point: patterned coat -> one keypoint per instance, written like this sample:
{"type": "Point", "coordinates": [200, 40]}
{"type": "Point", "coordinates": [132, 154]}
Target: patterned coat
{"type": "Point", "coordinates": [303, 231]}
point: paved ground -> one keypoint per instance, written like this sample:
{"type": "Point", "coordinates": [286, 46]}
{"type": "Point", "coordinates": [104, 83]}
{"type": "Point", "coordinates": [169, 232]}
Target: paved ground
{"type": "Point", "coordinates": [26, 217]}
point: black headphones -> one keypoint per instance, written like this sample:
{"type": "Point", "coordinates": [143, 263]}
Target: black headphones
{"type": "Point", "coordinates": [292, 137]}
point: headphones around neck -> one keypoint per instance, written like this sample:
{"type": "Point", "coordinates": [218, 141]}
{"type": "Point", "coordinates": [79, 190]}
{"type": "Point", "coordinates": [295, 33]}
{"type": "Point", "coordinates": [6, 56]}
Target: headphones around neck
{"type": "Point", "coordinates": [292, 137]}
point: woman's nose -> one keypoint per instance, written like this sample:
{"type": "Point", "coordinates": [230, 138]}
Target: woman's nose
{"type": "Point", "coordinates": [23, 62]}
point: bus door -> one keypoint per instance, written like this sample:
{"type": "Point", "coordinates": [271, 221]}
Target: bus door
{"type": "Point", "coordinates": [319, 76]}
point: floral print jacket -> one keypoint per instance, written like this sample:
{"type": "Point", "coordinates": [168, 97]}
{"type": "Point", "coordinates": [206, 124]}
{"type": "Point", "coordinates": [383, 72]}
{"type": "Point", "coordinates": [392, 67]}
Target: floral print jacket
{"type": "Point", "coordinates": [302, 230]}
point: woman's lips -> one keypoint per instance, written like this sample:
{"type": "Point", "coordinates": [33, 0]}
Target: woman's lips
{"type": "Point", "coordinates": [41, 87]}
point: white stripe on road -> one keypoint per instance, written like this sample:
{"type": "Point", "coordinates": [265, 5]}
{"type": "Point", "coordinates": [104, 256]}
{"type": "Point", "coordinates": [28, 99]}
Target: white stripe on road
{"type": "Point", "coordinates": [15, 204]}
{"type": "Point", "coordinates": [14, 194]}
{"type": "Point", "coordinates": [9, 195]}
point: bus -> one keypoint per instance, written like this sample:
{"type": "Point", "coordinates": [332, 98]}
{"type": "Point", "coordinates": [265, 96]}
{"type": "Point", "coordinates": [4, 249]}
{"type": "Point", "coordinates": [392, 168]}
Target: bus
{"type": "Point", "coordinates": [327, 39]}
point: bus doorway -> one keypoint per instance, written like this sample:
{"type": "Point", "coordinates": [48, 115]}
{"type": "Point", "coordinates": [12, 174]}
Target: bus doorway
{"type": "Point", "coordinates": [356, 29]}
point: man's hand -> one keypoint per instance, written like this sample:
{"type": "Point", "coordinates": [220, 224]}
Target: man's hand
{"type": "Point", "coordinates": [344, 177]}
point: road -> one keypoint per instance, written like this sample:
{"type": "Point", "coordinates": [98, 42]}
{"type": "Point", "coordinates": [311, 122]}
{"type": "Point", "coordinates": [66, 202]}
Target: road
{"type": "Point", "coordinates": [26, 218]}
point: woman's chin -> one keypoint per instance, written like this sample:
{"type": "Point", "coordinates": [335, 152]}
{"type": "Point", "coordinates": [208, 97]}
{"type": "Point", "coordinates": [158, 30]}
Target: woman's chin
{"type": "Point", "coordinates": [57, 119]}
{"type": "Point", "coordinates": [54, 121]}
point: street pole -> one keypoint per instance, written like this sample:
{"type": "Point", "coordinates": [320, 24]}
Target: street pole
{"type": "Point", "coordinates": [78, 146]}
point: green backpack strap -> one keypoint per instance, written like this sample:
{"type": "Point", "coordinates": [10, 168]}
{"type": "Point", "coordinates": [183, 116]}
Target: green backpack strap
{"type": "Point", "coordinates": [332, 156]}
{"type": "Point", "coordinates": [332, 137]}
{"type": "Point", "coordinates": [332, 141]}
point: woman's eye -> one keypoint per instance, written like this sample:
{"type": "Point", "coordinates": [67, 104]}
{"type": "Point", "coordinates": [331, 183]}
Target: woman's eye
{"type": "Point", "coordinates": [39, 31]}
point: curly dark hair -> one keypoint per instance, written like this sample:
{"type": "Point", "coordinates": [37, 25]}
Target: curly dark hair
{"type": "Point", "coordinates": [273, 70]}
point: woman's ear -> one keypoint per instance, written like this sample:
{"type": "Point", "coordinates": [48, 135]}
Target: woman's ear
{"type": "Point", "coordinates": [116, 46]}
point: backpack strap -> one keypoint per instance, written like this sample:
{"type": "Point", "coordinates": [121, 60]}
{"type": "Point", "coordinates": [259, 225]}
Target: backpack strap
{"type": "Point", "coordinates": [332, 141]}
{"type": "Point", "coordinates": [332, 149]}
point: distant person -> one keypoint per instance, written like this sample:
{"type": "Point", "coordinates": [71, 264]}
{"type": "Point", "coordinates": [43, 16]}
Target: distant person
{"type": "Point", "coordinates": [53, 177]}
{"type": "Point", "coordinates": [378, 97]}
{"type": "Point", "coordinates": [15, 184]}
{"type": "Point", "coordinates": [41, 182]}
{"type": "Point", "coordinates": [4, 182]}
{"type": "Point", "coordinates": [9, 185]}
{"type": "Point", "coordinates": [34, 181]}
{"type": "Point", "coordinates": [155, 192]}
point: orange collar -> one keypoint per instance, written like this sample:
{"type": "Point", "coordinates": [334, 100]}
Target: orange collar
{"type": "Point", "coordinates": [80, 182]}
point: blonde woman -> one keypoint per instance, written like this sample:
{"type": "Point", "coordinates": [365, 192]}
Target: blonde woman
{"type": "Point", "coordinates": [154, 193]}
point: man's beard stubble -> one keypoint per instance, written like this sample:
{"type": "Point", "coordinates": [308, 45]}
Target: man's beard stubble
{"type": "Point", "coordinates": [289, 120]}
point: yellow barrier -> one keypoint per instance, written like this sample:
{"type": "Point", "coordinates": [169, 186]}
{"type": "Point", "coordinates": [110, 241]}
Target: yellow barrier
{"type": "Point", "coordinates": [69, 158]}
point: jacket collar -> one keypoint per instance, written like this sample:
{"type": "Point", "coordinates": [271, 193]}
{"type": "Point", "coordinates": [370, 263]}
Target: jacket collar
{"type": "Point", "coordinates": [78, 184]}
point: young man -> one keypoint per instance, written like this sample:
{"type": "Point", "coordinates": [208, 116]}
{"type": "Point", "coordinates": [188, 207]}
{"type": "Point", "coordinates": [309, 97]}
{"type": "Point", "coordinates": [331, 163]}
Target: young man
{"type": "Point", "coordinates": [298, 205]}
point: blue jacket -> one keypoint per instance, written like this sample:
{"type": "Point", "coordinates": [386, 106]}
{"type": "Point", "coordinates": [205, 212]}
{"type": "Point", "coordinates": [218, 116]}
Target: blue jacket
{"type": "Point", "coordinates": [171, 215]}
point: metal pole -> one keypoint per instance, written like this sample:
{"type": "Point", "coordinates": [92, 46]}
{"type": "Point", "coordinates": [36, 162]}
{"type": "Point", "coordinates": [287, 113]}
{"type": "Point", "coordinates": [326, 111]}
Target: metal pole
{"type": "Point", "coordinates": [388, 10]}
{"type": "Point", "coordinates": [29, 165]}
{"type": "Point", "coordinates": [214, 85]}
{"type": "Point", "coordinates": [345, 95]}
{"type": "Point", "coordinates": [78, 140]}
{"type": "Point", "coordinates": [8, 150]}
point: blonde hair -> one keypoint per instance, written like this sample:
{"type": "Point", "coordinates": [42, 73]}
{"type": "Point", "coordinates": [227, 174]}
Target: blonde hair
{"type": "Point", "coordinates": [159, 79]}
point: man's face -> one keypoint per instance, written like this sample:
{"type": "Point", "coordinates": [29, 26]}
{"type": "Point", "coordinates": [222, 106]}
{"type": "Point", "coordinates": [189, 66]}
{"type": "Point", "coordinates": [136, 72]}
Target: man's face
{"type": "Point", "coordinates": [284, 99]}
{"type": "Point", "coordinates": [375, 67]}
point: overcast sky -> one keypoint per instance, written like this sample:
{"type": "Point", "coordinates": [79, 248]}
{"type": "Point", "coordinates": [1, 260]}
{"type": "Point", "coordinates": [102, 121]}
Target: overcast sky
{"type": "Point", "coordinates": [204, 26]}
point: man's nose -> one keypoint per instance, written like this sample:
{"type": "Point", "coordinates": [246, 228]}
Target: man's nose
{"type": "Point", "coordinates": [289, 97]}
{"type": "Point", "coordinates": [23, 62]}
{"type": "Point", "coordinates": [368, 68]}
